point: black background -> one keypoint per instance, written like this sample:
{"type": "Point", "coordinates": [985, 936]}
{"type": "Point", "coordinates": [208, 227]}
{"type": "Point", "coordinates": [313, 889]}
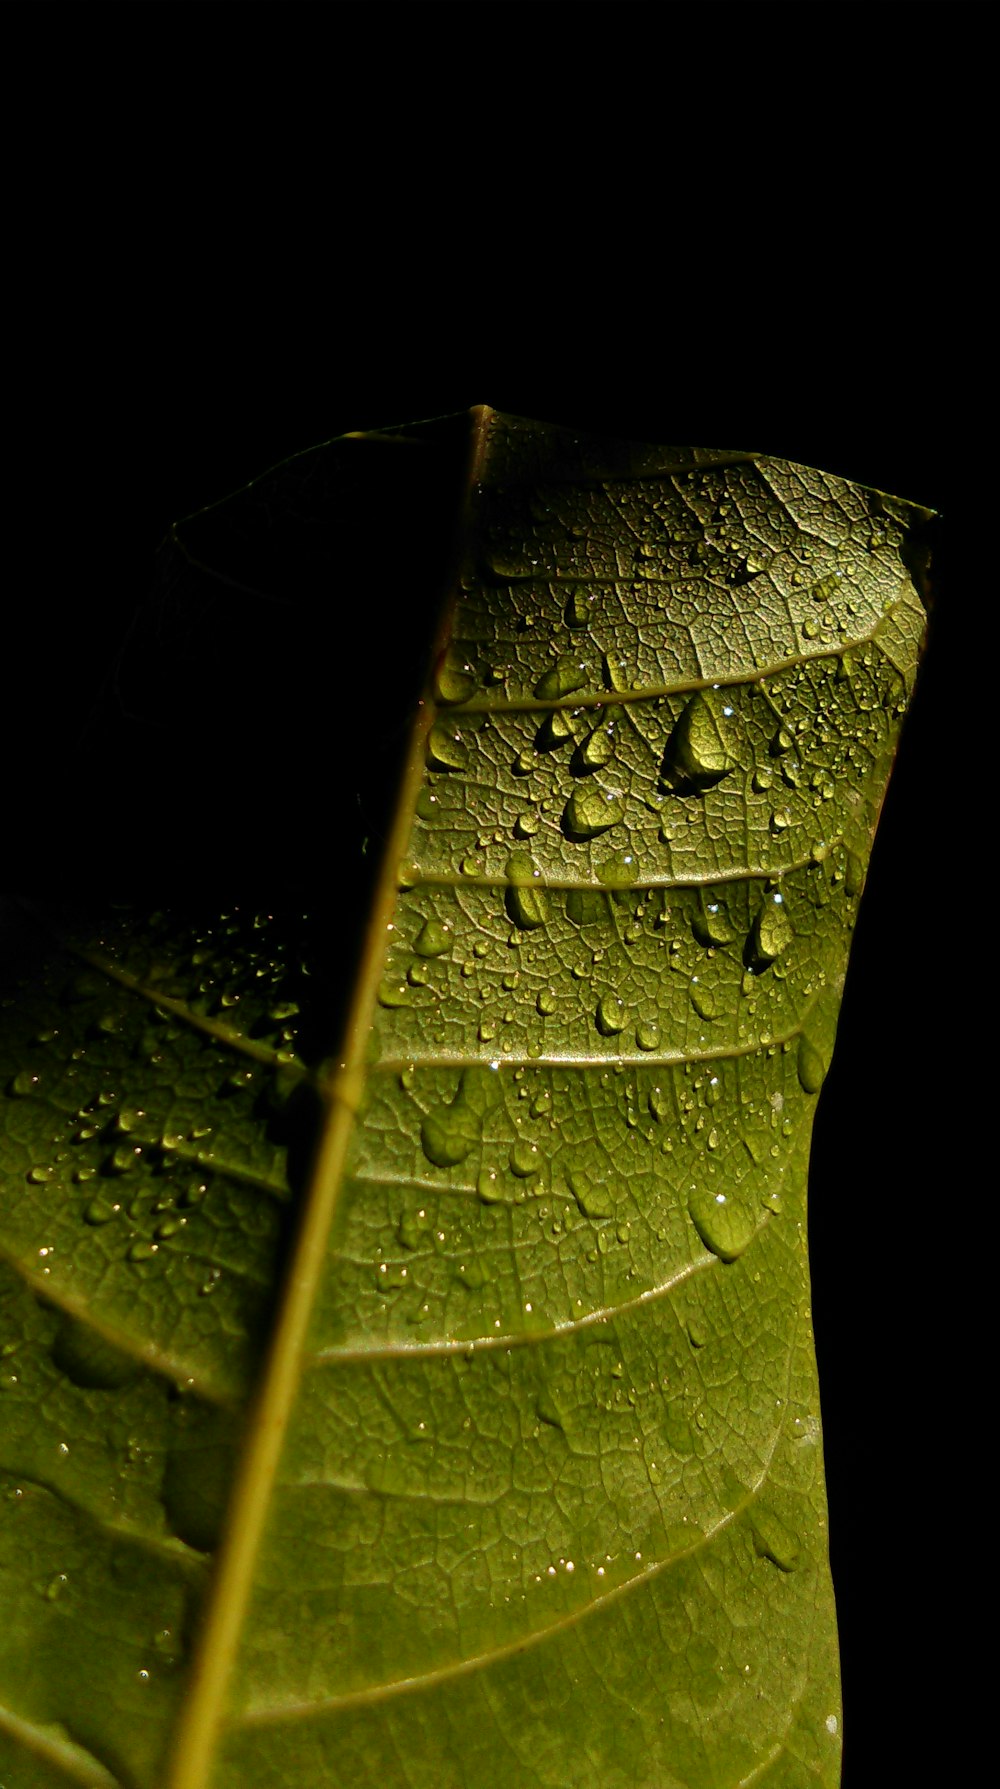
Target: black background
{"type": "Point", "coordinates": [238, 234]}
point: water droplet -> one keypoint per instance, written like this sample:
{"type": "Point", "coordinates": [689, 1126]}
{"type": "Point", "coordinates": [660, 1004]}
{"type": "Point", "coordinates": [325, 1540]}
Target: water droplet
{"type": "Point", "coordinates": [523, 900]}
{"type": "Point", "coordinates": [39, 1174]}
{"type": "Point", "coordinates": [762, 779]}
{"type": "Point", "coordinates": [854, 875]}
{"type": "Point", "coordinates": [525, 1158]}
{"type": "Point", "coordinates": [546, 1002]}
{"type": "Point", "coordinates": [143, 1251]}
{"type": "Point", "coordinates": [647, 1035]}
{"type": "Point", "coordinates": [826, 587]}
{"type": "Point", "coordinates": [565, 677]}
{"type": "Point", "coordinates": [598, 748]}
{"type": "Point", "coordinates": [88, 1359]}
{"type": "Point", "coordinates": [659, 1103]}
{"type": "Point", "coordinates": [701, 748]}
{"type": "Point", "coordinates": [101, 1210]}
{"type": "Point", "coordinates": [772, 931]}
{"type": "Point", "coordinates": [710, 923]}
{"type": "Point", "coordinates": [56, 1586]}
{"type": "Point", "coordinates": [610, 1016]}
{"type": "Point", "coordinates": [578, 608]}
{"type": "Point", "coordinates": [24, 1083]}
{"type": "Point", "coordinates": [702, 998]}
{"type": "Point", "coordinates": [811, 1067]}
{"type": "Point", "coordinates": [450, 1132]}
{"type": "Point", "coordinates": [592, 1197]}
{"type": "Point", "coordinates": [473, 1274]}
{"type": "Point", "coordinates": [125, 1158]}
{"type": "Point", "coordinates": [724, 1224]}
{"type": "Point", "coordinates": [392, 993]}
{"type": "Point", "coordinates": [526, 825]}
{"type": "Point", "coordinates": [195, 1491]}
{"type": "Point", "coordinates": [619, 871]}
{"type": "Point", "coordinates": [616, 672]}
{"type": "Point", "coordinates": [773, 1539]}
{"type": "Point", "coordinates": [591, 811]}
{"type": "Point", "coordinates": [454, 679]}
{"type": "Point", "coordinates": [169, 1227]}
{"type": "Point", "coordinates": [555, 730]}
{"type": "Point", "coordinates": [432, 940]}
{"type": "Point", "coordinates": [488, 1187]}
{"type": "Point", "coordinates": [446, 749]}
{"type": "Point", "coordinates": [781, 819]}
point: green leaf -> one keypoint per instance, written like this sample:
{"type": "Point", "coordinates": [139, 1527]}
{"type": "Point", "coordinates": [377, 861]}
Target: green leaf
{"type": "Point", "coordinates": [475, 1350]}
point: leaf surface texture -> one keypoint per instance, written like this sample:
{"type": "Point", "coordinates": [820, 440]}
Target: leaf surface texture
{"type": "Point", "coordinates": [476, 1349]}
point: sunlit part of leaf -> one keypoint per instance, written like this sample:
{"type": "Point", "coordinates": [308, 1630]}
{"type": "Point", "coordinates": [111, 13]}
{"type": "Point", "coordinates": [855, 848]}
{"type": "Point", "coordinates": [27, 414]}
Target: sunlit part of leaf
{"type": "Point", "coordinates": [511, 1452]}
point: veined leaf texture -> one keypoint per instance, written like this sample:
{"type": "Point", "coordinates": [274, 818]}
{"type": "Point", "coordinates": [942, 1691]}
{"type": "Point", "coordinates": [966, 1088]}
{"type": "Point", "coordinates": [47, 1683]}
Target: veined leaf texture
{"type": "Point", "coordinates": [436, 1407]}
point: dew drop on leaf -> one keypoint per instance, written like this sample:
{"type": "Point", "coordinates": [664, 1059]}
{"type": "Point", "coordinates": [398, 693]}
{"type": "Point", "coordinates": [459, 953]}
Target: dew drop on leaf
{"type": "Point", "coordinates": [432, 940]}
{"type": "Point", "coordinates": [701, 748]}
{"type": "Point", "coordinates": [611, 1015]}
{"type": "Point", "coordinates": [723, 1222]}
{"type": "Point", "coordinates": [589, 812]}
{"type": "Point", "coordinates": [811, 1067]}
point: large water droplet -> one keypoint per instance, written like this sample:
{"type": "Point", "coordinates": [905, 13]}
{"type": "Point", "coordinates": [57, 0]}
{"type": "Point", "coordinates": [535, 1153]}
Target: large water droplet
{"type": "Point", "coordinates": [772, 931]}
{"type": "Point", "coordinates": [525, 1158]}
{"type": "Point", "coordinates": [446, 749]}
{"type": "Point", "coordinates": [432, 940]}
{"type": "Point", "coordinates": [450, 1132]}
{"type": "Point", "coordinates": [620, 871]}
{"type": "Point", "coordinates": [591, 1195]}
{"type": "Point", "coordinates": [195, 1490]}
{"type": "Point", "coordinates": [454, 679]}
{"type": "Point", "coordinates": [584, 906]}
{"type": "Point", "coordinates": [811, 1067]}
{"type": "Point", "coordinates": [88, 1359]}
{"type": "Point", "coordinates": [555, 730]}
{"type": "Point", "coordinates": [724, 1223]}
{"type": "Point", "coordinates": [591, 811]}
{"type": "Point", "coordinates": [392, 993]}
{"type": "Point", "coordinates": [702, 998]}
{"type": "Point", "coordinates": [611, 1015]}
{"type": "Point", "coordinates": [597, 749]}
{"type": "Point", "coordinates": [854, 876]}
{"type": "Point", "coordinates": [489, 1187]}
{"type": "Point", "coordinates": [617, 672]}
{"type": "Point", "coordinates": [710, 923]}
{"type": "Point", "coordinates": [701, 748]}
{"type": "Point", "coordinates": [524, 900]}
{"type": "Point", "coordinates": [565, 677]}
{"type": "Point", "coordinates": [579, 606]}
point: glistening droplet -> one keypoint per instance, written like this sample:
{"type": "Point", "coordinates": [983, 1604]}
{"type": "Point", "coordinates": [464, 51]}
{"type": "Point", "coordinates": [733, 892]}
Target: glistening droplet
{"type": "Point", "coordinates": [590, 811]}
{"type": "Point", "coordinates": [724, 1223]}
{"type": "Point", "coordinates": [811, 1067]}
{"type": "Point", "coordinates": [701, 748]}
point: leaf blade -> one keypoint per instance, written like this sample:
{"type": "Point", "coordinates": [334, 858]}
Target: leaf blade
{"type": "Point", "coordinates": [525, 1450]}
